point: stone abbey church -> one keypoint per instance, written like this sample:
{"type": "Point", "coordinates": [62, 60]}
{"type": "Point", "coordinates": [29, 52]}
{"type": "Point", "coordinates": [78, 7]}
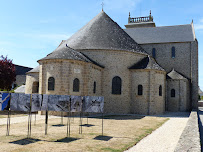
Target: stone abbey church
{"type": "Point", "coordinates": [142, 69]}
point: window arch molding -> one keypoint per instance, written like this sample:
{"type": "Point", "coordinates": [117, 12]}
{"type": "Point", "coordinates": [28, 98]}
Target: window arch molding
{"type": "Point", "coordinates": [76, 85]}
{"type": "Point", "coordinates": [51, 83]}
{"type": "Point", "coordinates": [116, 85]}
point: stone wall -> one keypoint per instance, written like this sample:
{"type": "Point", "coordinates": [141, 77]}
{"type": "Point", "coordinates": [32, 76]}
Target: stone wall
{"type": "Point", "coordinates": [182, 95]}
{"type": "Point", "coordinates": [190, 138]}
{"type": "Point", "coordinates": [150, 102]}
{"type": "Point", "coordinates": [185, 61]}
{"type": "Point", "coordinates": [30, 79]}
{"type": "Point", "coordinates": [194, 74]}
{"type": "Point", "coordinates": [157, 105]}
{"type": "Point", "coordinates": [116, 64]}
{"type": "Point", "coordinates": [64, 73]}
{"type": "Point", "coordinates": [140, 103]}
{"type": "Point", "coordinates": [181, 62]}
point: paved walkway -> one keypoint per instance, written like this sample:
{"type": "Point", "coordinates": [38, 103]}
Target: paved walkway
{"type": "Point", "coordinates": [165, 138]}
{"type": "Point", "coordinates": [3, 121]}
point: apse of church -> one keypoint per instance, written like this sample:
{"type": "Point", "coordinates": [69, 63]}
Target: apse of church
{"type": "Point", "coordinates": [139, 69]}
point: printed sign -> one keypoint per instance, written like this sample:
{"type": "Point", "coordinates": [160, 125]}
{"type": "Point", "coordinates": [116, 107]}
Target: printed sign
{"type": "Point", "coordinates": [93, 104]}
{"type": "Point", "coordinates": [45, 102]}
{"type": "Point", "coordinates": [14, 101]}
{"type": "Point", "coordinates": [76, 103]}
{"type": "Point", "coordinates": [5, 101]}
{"type": "Point", "coordinates": [20, 102]}
{"type": "Point", "coordinates": [59, 103]}
{"type": "Point", "coordinates": [36, 102]}
{"type": "Point", "coordinates": [23, 102]}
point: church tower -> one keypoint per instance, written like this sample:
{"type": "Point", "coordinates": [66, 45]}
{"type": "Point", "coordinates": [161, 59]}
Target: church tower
{"type": "Point", "coordinates": [139, 22]}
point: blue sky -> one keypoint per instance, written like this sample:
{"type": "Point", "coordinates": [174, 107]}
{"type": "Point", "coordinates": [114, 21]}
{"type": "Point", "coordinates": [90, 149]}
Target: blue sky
{"type": "Point", "coordinates": [29, 30]}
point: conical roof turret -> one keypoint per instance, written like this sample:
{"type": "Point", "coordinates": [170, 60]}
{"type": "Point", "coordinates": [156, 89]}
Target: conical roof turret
{"type": "Point", "coordinates": [103, 33]}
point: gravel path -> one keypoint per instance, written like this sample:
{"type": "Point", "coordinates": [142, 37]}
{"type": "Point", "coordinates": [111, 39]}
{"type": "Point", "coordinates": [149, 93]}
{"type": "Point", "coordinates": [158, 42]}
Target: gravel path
{"type": "Point", "coordinates": [3, 121]}
{"type": "Point", "coordinates": [164, 139]}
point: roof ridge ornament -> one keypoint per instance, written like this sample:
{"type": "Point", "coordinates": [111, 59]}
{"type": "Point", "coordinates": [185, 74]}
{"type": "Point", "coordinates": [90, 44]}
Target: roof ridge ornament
{"type": "Point", "coordinates": [102, 4]}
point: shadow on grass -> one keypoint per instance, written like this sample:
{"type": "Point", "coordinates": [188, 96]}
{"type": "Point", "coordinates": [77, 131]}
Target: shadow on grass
{"type": "Point", "coordinates": [25, 141]}
{"type": "Point", "coordinates": [87, 125]}
{"type": "Point", "coordinates": [119, 117]}
{"type": "Point", "coordinates": [58, 125]}
{"type": "Point", "coordinates": [104, 138]}
{"type": "Point", "coordinates": [67, 139]}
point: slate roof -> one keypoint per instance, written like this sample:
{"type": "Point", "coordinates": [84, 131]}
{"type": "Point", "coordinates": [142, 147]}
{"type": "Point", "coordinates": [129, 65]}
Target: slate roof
{"type": "Point", "coordinates": [63, 51]}
{"type": "Point", "coordinates": [162, 34]}
{"type": "Point", "coordinates": [175, 75]}
{"type": "Point", "coordinates": [147, 63]}
{"type": "Point", "coordinates": [103, 33]}
{"type": "Point", "coordinates": [21, 70]}
{"type": "Point", "coordinates": [36, 69]}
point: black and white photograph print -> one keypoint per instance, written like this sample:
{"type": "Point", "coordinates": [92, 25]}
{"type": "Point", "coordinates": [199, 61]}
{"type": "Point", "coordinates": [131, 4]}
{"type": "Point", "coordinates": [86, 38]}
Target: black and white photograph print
{"type": "Point", "coordinates": [36, 102]}
{"type": "Point", "coordinates": [59, 103]}
{"type": "Point", "coordinates": [64, 103]}
{"type": "Point", "coordinates": [14, 101]}
{"type": "Point", "coordinates": [24, 102]}
{"type": "Point", "coordinates": [93, 104]}
{"type": "Point", "coordinates": [45, 102]}
{"type": "Point", "coordinates": [76, 103]}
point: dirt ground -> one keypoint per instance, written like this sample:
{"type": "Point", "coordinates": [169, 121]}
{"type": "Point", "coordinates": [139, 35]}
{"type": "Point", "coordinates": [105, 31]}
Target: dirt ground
{"type": "Point", "coordinates": [120, 133]}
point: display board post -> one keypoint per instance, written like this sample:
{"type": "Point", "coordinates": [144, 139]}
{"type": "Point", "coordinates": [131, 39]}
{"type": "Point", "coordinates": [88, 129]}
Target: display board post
{"type": "Point", "coordinates": [102, 123]}
{"type": "Point", "coordinates": [35, 119]}
{"type": "Point", "coordinates": [46, 122]}
{"type": "Point", "coordinates": [67, 124]}
{"type": "Point", "coordinates": [61, 118]}
{"type": "Point", "coordinates": [8, 123]}
{"type": "Point", "coordinates": [29, 124]}
{"type": "Point", "coordinates": [29, 118]}
{"type": "Point", "coordinates": [8, 118]}
{"type": "Point", "coordinates": [80, 124]}
{"type": "Point", "coordinates": [87, 118]}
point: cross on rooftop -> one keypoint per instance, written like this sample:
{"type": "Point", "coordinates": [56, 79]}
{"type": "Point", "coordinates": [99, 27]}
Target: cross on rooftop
{"type": "Point", "coordinates": [102, 5]}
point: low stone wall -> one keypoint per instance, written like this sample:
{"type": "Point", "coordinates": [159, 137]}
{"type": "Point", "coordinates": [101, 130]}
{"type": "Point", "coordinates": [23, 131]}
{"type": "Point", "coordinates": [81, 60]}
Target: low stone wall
{"type": "Point", "coordinates": [190, 138]}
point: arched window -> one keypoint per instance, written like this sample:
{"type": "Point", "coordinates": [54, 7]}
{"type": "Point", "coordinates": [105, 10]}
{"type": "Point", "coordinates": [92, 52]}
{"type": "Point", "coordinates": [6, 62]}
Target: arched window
{"type": "Point", "coordinates": [160, 90]}
{"type": "Point", "coordinates": [35, 87]}
{"type": "Point", "coordinates": [51, 83]}
{"type": "Point", "coordinates": [140, 90]}
{"type": "Point", "coordinates": [76, 85]}
{"type": "Point", "coordinates": [173, 52]}
{"type": "Point", "coordinates": [116, 85]}
{"type": "Point", "coordinates": [154, 53]}
{"type": "Point", "coordinates": [94, 89]}
{"type": "Point", "coordinates": [173, 93]}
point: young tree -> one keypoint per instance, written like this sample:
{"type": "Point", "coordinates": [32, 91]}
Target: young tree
{"type": "Point", "coordinates": [7, 73]}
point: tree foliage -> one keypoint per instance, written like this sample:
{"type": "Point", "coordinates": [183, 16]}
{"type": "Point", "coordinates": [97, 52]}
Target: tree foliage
{"type": "Point", "coordinates": [7, 73]}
